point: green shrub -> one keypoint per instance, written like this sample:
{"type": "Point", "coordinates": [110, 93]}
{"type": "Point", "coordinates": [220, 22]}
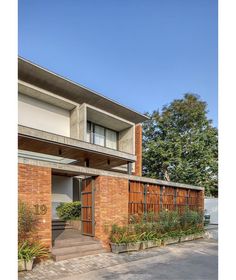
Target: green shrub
{"type": "Point", "coordinates": [151, 226]}
{"type": "Point", "coordinates": [168, 221]}
{"type": "Point", "coordinates": [190, 219]}
{"type": "Point", "coordinates": [69, 210]}
{"type": "Point", "coordinates": [123, 235]}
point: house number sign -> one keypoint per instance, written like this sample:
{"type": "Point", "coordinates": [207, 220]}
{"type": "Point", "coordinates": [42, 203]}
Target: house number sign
{"type": "Point", "coordinates": [40, 209]}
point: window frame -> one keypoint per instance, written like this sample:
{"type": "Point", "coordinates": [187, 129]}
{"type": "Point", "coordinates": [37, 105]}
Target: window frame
{"type": "Point", "coordinates": [92, 135]}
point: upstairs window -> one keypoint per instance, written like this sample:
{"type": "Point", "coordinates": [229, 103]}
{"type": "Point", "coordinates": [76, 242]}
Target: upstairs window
{"type": "Point", "coordinates": [102, 136]}
{"type": "Point", "coordinates": [111, 139]}
{"type": "Point", "coordinates": [99, 135]}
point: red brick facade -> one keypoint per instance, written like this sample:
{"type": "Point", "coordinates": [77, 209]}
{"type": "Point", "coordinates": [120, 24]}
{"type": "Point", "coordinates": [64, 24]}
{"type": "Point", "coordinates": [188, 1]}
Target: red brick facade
{"type": "Point", "coordinates": [111, 205]}
{"type": "Point", "coordinates": [34, 188]}
{"type": "Point", "coordinates": [138, 149]}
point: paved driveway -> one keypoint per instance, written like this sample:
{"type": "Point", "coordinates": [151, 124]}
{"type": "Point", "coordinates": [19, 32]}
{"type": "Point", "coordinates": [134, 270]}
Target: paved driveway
{"type": "Point", "coordinates": [196, 260]}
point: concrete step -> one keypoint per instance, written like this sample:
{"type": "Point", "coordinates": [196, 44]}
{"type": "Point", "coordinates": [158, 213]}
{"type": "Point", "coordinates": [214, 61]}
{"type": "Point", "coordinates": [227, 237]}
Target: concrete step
{"type": "Point", "coordinates": [68, 243]}
{"type": "Point", "coordinates": [71, 241]}
{"type": "Point", "coordinates": [82, 247]}
{"type": "Point", "coordinates": [61, 257]}
{"type": "Point", "coordinates": [61, 227]}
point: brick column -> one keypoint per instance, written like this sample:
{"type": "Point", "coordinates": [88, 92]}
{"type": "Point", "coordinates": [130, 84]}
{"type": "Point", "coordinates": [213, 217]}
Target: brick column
{"type": "Point", "coordinates": [34, 188]}
{"type": "Point", "coordinates": [138, 149]}
{"type": "Point", "coordinates": [111, 205]}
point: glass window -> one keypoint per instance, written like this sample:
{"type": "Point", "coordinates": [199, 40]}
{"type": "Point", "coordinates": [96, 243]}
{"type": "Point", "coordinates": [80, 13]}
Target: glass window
{"type": "Point", "coordinates": [99, 135]}
{"type": "Point", "coordinates": [111, 139]}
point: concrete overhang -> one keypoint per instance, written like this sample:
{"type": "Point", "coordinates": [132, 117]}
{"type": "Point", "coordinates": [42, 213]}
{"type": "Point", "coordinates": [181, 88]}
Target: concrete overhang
{"type": "Point", "coordinates": [105, 119]}
{"type": "Point", "coordinates": [45, 96]}
{"type": "Point", "coordinates": [72, 170]}
{"type": "Point", "coordinates": [34, 140]}
{"type": "Point", "coordinates": [42, 78]}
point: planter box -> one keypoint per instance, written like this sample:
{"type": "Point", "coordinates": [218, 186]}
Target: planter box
{"type": "Point", "coordinates": [171, 240]}
{"type": "Point", "coordinates": [150, 244]}
{"type": "Point", "coordinates": [120, 248]}
{"type": "Point", "coordinates": [76, 224]}
{"type": "Point", "coordinates": [133, 246]}
{"type": "Point", "coordinates": [29, 265]}
{"type": "Point", "coordinates": [187, 238]}
{"type": "Point", "coordinates": [21, 265]}
{"type": "Point", "coordinates": [198, 235]}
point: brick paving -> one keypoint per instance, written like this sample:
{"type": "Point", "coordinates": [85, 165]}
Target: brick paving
{"type": "Point", "coordinates": [57, 270]}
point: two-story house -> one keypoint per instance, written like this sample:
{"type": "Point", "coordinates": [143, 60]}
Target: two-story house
{"type": "Point", "coordinates": [75, 144]}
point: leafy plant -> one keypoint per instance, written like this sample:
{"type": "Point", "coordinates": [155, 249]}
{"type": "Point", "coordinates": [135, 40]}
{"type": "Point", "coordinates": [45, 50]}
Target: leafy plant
{"type": "Point", "coordinates": [28, 251]}
{"type": "Point", "coordinates": [180, 144]}
{"type": "Point", "coordinates": [191, 219]}
{"type": "Point", "coordinates": [69, 210]}
{"type": "Point", "coordinates": [122, 235]}
{"type": "Point", "coordinates": [27, 221]}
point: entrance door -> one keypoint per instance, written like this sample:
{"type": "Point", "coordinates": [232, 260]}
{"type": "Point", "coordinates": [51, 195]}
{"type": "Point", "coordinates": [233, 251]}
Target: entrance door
{"type": "Point", "coordinates": [87, 206]}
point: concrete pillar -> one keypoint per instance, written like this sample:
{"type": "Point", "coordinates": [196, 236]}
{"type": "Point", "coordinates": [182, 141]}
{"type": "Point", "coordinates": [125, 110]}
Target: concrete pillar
{"type": "Point", "coordinates": [138, 149]}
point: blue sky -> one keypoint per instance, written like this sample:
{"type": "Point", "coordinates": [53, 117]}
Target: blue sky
{"type": "Point", "coordinates": [141, 53]}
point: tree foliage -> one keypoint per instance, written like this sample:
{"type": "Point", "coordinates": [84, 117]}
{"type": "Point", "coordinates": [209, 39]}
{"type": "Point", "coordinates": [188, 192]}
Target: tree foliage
{"type": "Point", "coordinates": [180, 144]}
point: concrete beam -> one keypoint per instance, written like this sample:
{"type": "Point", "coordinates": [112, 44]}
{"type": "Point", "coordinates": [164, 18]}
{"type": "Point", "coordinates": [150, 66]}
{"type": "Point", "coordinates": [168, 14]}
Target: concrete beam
{"type": "Point", "coordinates": [80, 170]}
{"type": "Point", "coordinates": [67, 141]}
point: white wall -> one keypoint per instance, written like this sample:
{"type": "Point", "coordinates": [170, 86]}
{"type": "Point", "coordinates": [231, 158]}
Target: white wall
{"type": "Point", "coordinates": [41, 115]}
{"type": "Point", "coordinates": [211, 205]}
{"type": "Point", "coordinates": [62, 191]}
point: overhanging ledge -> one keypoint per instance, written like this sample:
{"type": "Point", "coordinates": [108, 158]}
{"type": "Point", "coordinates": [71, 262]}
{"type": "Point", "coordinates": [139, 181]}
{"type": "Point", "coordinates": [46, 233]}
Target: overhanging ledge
{"type": "Point", "coordinates": [67, 141]}
{"type": "Point", "coordinates": [80, 170]}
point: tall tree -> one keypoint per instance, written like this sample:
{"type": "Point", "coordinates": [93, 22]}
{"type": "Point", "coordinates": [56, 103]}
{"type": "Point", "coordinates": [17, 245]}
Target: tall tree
{"type": "Point", "coordinates": [180, 144]}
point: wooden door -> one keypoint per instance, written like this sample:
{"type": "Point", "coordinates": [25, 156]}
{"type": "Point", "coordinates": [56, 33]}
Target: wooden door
{"type": "Point", "coordinates": [87, 206]}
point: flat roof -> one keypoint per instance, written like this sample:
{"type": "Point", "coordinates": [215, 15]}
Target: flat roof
{"type": "Point", "coordinates": [45, 79]}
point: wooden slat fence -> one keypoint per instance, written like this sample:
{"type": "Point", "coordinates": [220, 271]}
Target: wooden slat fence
{"type": "Point", "coordinates": [145, 197]}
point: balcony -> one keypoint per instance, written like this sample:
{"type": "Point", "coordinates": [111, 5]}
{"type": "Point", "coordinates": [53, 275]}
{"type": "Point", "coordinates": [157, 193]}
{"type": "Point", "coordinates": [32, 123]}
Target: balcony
{"type": "Point", "coordinates": [76, 152]}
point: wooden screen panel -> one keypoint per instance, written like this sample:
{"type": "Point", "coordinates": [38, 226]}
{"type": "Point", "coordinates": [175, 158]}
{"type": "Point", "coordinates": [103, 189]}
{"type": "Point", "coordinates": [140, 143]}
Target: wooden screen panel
{"type": "Point", "coordinates": [193, 200]}
{"type": "Point", "coordinates": [168, 198]}
{"type": "Point", "coordinates": [87, 207]}
{"type": "Point", "coordinates": [153, 198]}
{"type": "Point", "coordinates": [144, 197]}
{"type": "Point", "coordinates": [182, 199]}
{"type": "Point", "coordinates": [136, 198]}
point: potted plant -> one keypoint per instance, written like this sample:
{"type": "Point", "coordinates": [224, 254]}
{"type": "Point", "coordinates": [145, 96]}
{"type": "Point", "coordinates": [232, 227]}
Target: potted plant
{"type": "Point", "coordinates": [122, 240]}
{"type": "Point", "coordinates": [149, 240]}
{"type": "Point", "coordinates": [21, 261]}
{"type": "Point", "coordinates": [71, 213]}
{"type": "Point", "coordinates": [27, 252]}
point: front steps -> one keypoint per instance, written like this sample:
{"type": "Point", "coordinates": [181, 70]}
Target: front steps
{"type": "Point", "coordinates": [60, 225]}
{"type": "Point", "coordinates": [72, 244]}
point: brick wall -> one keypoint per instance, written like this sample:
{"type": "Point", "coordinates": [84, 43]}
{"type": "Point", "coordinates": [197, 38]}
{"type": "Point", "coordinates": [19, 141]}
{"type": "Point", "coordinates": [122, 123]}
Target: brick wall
{"type": "Point", "coordinates": [34, 187]}
{"type": "Point", "coordinates": [111, 205]}
{"type": "Point", "coordinates": [138, 149]}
